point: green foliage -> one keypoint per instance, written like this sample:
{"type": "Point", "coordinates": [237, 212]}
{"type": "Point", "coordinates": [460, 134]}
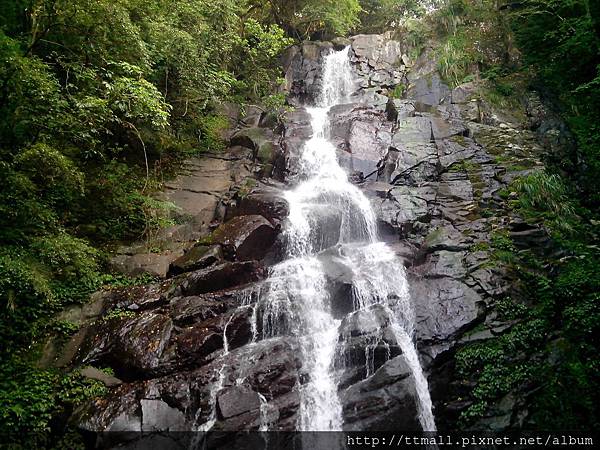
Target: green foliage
{"type": "Point", "coordinates": [26, 296]}
{"type": "Point", "coordinates": [96, 100]}
{"type": "Point", "coordinates": [378, 16]}
{"type": "Point", "coordinates": [480, 247]}
{"type": "Point", "coordinates": [32, 398]}
{"type": "Point", "coordinates": [502, 241]}
{"type": "Point", "coordinates": [336, 16]}
{"type": "Point", "coordinates": [68, 257]}
{"type": "Point", "coordinates": [115, 281]}
{"type": "Point", "coordinates": [59, 182]}
{"type": "Point", "coordinates": [552, 347]}
{"type": "Point", "coordinates": [211, 132]}
{"type": "Point", "coordinates": [559, 40]}
{"type": "Point", "coordinates": [31, 102]}
{"type": "Point", "coordinates": [21, 212]}
{"type": "Point", "coordinates": [475, 39]}
{"type": "Point", "coordinates": [398, 91]}
{"type": "Point", "coordinates": [499, 365]}
{"type": "Point", "coordinates": [510, 309]}
{"type": "Point", "coordinates": [258, 48]}
{"type": "Point", "coordinates": [457, 57]}
{"type": "Point", "coordinates": [465, 165]}
{"type": "Point", "coordinates": [304, 19]}
{"type": "Point", "coordinates": [62, 328]}
{"type": "Point", "coordinates": [136, 100]}
{"type": "Point", "coordinates": [544, 196]}
{"type": "Point", "coordinates": [118, 314]}
{"type": "Point", "coordinates": [275, 102]}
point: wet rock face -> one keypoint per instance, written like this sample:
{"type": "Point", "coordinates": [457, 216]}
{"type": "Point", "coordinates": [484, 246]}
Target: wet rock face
{"type": "Point", "coordinates": [189, 350]}
{"type": "Point", "coordinates": [134, 347]}
{"type": "Point", "coordinates": [383, 401]}
{"type": "Point", "coordinates": [435, 192]}
{"type": "Point", "coordinates": [266, 200]}
{"type": "Point", "coordinates": [236, 400]}
{"type": "Point", "coordinates": [220, 277]}
{"type": "Point", "coordinates": [227, 389]}
{"type": "Point", "coordinates": [245, 238]}
{"type": "Point", "coordinates": [303, 74]}
{"type": "Point", "coordinates": [198, 257]}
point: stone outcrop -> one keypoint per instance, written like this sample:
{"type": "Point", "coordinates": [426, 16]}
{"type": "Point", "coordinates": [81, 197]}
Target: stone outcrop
{"type": "Point", "coordinates": [209, 189]}
{"type": "Point", "coordinates": [245, 238]}
{"type": "Point", "coordinates": [302, 67]}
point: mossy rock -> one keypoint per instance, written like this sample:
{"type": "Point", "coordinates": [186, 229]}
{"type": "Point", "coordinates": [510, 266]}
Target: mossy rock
{"type": "Point", "coordinates": [265, 153]}
{"type": "Point", "coordinates": [259, 140]}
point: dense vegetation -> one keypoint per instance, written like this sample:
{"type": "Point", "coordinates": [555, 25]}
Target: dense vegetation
{"type": "Point", "coordinates": [550, 356]}
{"type": "Point", "coordinates": [99, 100]}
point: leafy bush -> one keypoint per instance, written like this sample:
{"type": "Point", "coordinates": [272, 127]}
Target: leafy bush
{"type": "Point", "coordinates": [33, 398]}
{"type": "Point", "coordinates": [551, 348]}
{"type": "Point", "coordinates": [98, 101]}
{"type": "Point", "coordinates": [257, 49]}
{"type": "Point", "coordinates": [211, 132]}
{"type": "Point", "coordinates": [378, 16]}
{"type": "Point", "coordinates": [398, 91]}
{"type": "Point", "coordinates": [559, 43]}
{"type": "Point", "coordinates": [59, 182]}
{"type": "Point", "coordinates": [26, 296]}
{"type": "Point", "coordinates": [457, 57]}
{"type": "Point", "coordinates": [546, 196]}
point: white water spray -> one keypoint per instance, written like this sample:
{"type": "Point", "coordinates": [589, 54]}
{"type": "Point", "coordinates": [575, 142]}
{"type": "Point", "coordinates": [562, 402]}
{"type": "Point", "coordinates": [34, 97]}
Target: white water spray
{"type": "Point", "coordinates": [297, 302]}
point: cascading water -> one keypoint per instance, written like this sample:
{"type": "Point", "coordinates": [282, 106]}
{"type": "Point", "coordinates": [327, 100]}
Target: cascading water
{"type": "Point", "coordinates": [297, 302]}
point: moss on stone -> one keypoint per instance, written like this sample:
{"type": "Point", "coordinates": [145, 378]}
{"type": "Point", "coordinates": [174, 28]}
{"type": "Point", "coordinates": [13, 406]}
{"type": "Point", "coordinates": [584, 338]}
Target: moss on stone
{"type": "Point", "coordinates": [265, 153]}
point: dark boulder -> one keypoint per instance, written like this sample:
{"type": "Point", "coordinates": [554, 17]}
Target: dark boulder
{"type": "Point", "coordinates": [133, 347]}
{"type": "Point", "coordinates": [237, 400]}
{"type": "Point", "coordinates": [189, 310]}
{"type": "Point", "coordinates": [220, 277]}
{"type": "Point", "coordinates": [385, 401]}
{"type": "Point", "coordinates": [245, 238]}
{"type": "Point", "coordinates": [196, 343]}
{"type": "Point", "coordinates": [445, 308]}
{"type": "Point", "coordinates": [264, 200]}
{"type": "Point", "coordinates": [198, 257]}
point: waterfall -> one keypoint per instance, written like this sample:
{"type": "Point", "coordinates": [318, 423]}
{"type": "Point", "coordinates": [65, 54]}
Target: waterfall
{"type": "Point", "coordinates": [297, 302]}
